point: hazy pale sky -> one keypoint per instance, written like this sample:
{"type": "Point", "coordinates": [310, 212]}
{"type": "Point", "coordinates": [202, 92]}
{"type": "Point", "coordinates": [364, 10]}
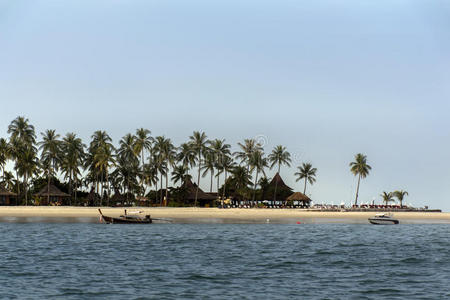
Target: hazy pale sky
{"type": "Point", "coordinates": [326, 79]}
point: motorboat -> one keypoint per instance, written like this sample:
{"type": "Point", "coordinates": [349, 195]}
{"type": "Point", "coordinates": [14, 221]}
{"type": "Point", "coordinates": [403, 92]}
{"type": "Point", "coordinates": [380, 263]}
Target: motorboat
{"type": "Point", "coordinates": [383, 219]}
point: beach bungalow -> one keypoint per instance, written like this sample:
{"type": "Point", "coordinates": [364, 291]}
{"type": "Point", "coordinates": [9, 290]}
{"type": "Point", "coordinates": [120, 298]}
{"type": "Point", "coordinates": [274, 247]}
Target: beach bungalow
{"type": "Point", "coordinates": [6, 196]}
{"type": "Point", "coordinates": [283, 190]}
{"type": "Point", "coordinates": [203, 199]}
{"type": "Point", "coordinates": [55, 196]}
{"type": "Point", "coordinates": [301, 199]}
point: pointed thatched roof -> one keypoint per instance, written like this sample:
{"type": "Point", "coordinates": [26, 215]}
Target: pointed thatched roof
{"type": "Point", "coordinates": [298, 197]}
{"type": "Point", "coordinates": [51, 191]}
{"type": "Point", "coordinates": [5, 192]}
{"type": "Point", "coordinates": [281, 184]}
{"type": "Point", "coordinates": [191, 189]}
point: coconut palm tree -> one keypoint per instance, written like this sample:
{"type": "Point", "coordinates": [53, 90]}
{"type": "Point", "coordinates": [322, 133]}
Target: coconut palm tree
{"type": "Point", "coordinates": [387, 197]}
{"type": "Point", "coordinates": [4, 155]}
{"type": "Point", "coordinates": [247, 149]}
{"type": "Point", "coordinates": [72, 160]}
{"type": "Point", "coordinates": [226, 165]}
{"type": "Point", "coordinates": [167, 153]}
{"type": "Point", "coordinates": [143, 142]}
{"type": "Point", "coordinates": [361, 169]}
{"type": "Point", "coordinates": [50, 147]}
{"type": "Point", "coordinates": [400, 195]}
{"type": "Point", "coordinates": [209, 165]}
{"type": "Point", "coordinates": [306, 172]}
{"type": "Point", "coordinates": [279, 156]}
{"type": "Point", "coordinates": [198, 142]}
{"type": "Point", "coordinates": [100, 139]}
{"type": "Point", "coordinates": [22, 137]}
{"type": "Point", "coordinates": [28, 166]}
{"type": "Point", "coordinates": [180, 174]}
{"type": "Point", "coordinates": [20, 130]}
{"type": "Point", "coordinates": [240, 180]}
{"type": "Point", "coordinates": [257, 162]}
{"type": "Point", "coordinates": [220, 149]}
{"type": "Point", "coordinates": [128, 160]}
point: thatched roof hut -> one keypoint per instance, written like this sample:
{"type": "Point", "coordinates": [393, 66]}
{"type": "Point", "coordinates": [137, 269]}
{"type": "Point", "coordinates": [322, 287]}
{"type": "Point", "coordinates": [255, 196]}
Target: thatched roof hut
{"type": "Point", "coordinates": [191, 189]}
{"type": "Point", "coordinates": [52, 193]}
{"type": "Point", "coordinates": [5, 196]}
{"type": "Point", "coordinates": [281, 184]}
{"type": "Point", "coordinates": [299, 197]}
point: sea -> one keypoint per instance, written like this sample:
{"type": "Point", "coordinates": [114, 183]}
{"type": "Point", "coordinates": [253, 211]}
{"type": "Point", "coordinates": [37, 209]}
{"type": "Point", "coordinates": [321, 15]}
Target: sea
{"type": "Point", "coordinates": [41, 260]}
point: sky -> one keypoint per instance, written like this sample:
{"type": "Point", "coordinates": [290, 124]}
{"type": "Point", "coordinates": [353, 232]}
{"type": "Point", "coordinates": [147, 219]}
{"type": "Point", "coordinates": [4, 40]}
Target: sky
{"type": "Point", "coordinates": [327, 79]}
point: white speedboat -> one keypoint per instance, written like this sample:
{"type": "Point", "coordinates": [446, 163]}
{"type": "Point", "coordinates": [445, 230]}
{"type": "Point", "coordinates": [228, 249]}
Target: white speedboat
{"type": "Point", "coordinates": [383, 219]}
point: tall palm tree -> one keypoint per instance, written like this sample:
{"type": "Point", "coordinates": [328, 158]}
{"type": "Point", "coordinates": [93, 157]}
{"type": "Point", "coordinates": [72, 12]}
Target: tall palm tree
{"type": "Point", "coordinates": [279, 156]}
{"type": "Point", "coordinates": [20, 130]}
{"type": "Point", "coordinates": [143, 143]}
{"type": "Point", "coordinates": [209, 165]}
{"type": "Point", "coordinates": [167, 153]}
{"type": "Point", "coordinates": [180, 174]}
{"type": "Point", "coordinates": [100, 139]}
{"type": "Point", "coordinates": [387, 197]}
{"type": "Point", "coordinates": [22, 137]}
{"type": "Point", "coordinates": [27, 167]}
{"type": "Point", "coordinates": [247, 149]}
{"type": "Point", "coordinates": [227, 165]}
{"type": "Point", "coordinates": [198, 142]}
{"type": "Point", "coordinates": [220, 149]}
{"type": "Point", "coordinates": [50, 147]}
{"type": "Point", "coordinates": [104, 159]}
{"type": "Point", "coordinates": [257, 162]}
{"type": "Point", "coordinates": [400, 195]}
{"type": "Point", "coordinates": [4, 155]}
{"type": "Point", "coordinates": [240, 180]}
{"type": "Point", "coordinates": [361, 169]}
{"type": "Point", "coordinates": [72, 160]}
{"type": "Point", "coordinates": [307, 172]}
{"type": "Point", "coordinates": [128, 159]}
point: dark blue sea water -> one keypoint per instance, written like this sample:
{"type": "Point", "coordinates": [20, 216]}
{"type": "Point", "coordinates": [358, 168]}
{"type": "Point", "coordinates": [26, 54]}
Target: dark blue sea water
{"type": "Point", "coordinates": [217, 261]}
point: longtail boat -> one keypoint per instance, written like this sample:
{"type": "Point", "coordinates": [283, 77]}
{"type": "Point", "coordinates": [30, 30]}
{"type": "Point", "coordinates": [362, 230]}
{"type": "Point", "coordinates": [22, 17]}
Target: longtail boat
{"type": "Point", "coordinates": [125, 219]}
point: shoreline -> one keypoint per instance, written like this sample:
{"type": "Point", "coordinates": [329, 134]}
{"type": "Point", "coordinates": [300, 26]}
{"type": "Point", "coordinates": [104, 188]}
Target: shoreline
{"type": "Point", "coordinates": [208, 215]}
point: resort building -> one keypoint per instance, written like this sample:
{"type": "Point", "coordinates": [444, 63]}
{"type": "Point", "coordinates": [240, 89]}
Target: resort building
{"type": "Point", "coordinates": [6, 196]}
{"type": "Point", "coordinates": [54, 195]}
{"type": "Point", "coordinates": [299, 199]}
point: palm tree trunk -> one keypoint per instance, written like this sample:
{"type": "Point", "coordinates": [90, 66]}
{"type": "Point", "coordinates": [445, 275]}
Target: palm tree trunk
{"type": "Point", "coordinates": [76, 187]}
{"type": "Point", "coordinates": [198, 180]}
{"type": "Point", "coordinates": [25, 189]}
{"type": "Point", "coordinates": [70, 187]}
{"type": "Point", "coordinates": [143, 174]}
{"type": "Point", "coordinates": [48, 187]}
{"type": "Point", "coordinates": [276, 186]}
{"type": "Point", "coordinates": [224, 184]}
{"type": "Point", "coordinates": [212, 175]}
{"type": "Point", "coordinates": [167, 187]}
{"type": "Point", "coordinates": [18, 187]}
{"type": "Point", "coordinates": [304, 190]}
{"type": "Point", "coordinates": [160, 190]}
{"type": "Point", "coordinates": [254, 187]}
{"type": "Point", "coordinates": [357, 190]}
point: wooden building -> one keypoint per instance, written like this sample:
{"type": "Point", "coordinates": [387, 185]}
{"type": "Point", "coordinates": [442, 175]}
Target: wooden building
{"type": "Point", "coordinates": [55, 196]}
{"type": "Point", "coordinates": [6, 196]}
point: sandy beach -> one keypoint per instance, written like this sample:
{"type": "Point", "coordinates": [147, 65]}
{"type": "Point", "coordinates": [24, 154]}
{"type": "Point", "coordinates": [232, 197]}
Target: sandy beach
{"type": "Point", "coordinates": [212, 215]}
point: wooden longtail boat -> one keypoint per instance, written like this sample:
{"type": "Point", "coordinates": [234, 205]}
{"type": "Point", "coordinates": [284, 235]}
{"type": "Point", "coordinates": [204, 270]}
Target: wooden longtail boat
{"type": "Point", "coordinates": [125, 219]}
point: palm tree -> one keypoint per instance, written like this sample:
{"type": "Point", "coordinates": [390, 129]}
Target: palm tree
{"type": "Point", "coordinates": [257, 162]}
{"type": "Point", "coordinates": [279, 156]}
{"type": "Point", "coordinates": [198, 142]}
{"type": "Point", "coordinates": [72, 159]}
{"type": "Point", "coordinates": [143, 143]}
{"type": "Point", "coordinates": [247, 149]}
{"type": "Point", "coordinates": [227, 165]}
{"type": "Point", "coordinates": [180, 174]}
{"type": "Point", "coordinates": [50, 147]}
{"type": "Point", "coordinates": [21, 131]}
{"type": "Point", "coordinates": [209, 165]}
{"type": "Point", "coordinates": [220, 149]}
{"type": "Point", "coordinates": [387, 197]}
{"type": "Point", "coordinates": [400, 195]}
{"type": "Point", "coordinates": [307, 172]}
{"type": "Point", "coordinates": [4, 155]}
{"type": "Point", "coordinates": [104, 159]}
{"type": "Point", "coordinates": [27, 167]}
{"type": "Point", "coordinates": [361, 169]}
{"type": "Point", "coordinates": [240, 180]}
{"type": "Point", "coordinates": [128, 159]}
{"type": "Point", "coordinates": [167, 154]}
{"type": "Point", "coordinates": [22, 137]}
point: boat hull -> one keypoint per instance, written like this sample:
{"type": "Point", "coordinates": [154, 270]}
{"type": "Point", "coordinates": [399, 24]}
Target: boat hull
{"type": "Point", "coordinates": [110, 220]}
{"type": "Point", "coordinates": [379, 221]}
